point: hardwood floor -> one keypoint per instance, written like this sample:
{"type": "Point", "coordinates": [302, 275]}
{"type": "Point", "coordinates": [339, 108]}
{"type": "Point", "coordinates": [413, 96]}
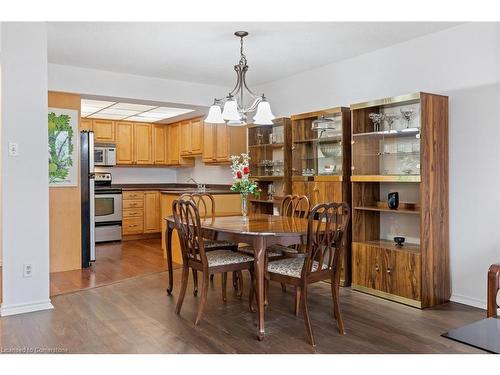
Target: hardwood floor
{"type": "Point", "coordinates": [137, 316]}
{"type": "Point", "coordinates": [115, 262]}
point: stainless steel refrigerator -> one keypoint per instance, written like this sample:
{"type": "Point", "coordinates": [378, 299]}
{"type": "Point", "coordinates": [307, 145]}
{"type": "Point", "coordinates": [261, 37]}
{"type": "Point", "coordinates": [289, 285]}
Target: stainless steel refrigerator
{"type": "Point", "coordinates": [88, 192]}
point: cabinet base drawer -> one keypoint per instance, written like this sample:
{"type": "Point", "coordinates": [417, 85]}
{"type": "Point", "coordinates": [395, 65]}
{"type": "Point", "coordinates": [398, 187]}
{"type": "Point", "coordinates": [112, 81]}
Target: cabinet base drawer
{"type": "Point", "coordinates": [132, 213]}
{"type": "Point", "coordinates": [133, 204]}
{"type": "Point", "coordinates": [128, 195]}
{"type": "Point", "coordinates": [133, 225]}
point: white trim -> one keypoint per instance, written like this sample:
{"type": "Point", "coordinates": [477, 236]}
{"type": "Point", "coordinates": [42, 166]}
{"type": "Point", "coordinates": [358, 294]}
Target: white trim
{"type": "Point", "coordinates": [466, 300]}
{"type": "Point", "coordinates": [22, 308]}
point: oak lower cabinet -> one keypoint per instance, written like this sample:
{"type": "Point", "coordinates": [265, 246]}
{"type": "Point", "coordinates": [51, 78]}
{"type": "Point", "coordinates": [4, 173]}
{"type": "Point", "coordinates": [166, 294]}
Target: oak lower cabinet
{"type": "Point", "coordinates": [143, 144]}
{"type": "Point", "coordinates": [124, 143]}
{"type": "Point", "coordinates": [220, 141]}
{"type": "Point", "coordinates": [141, 213]}
{"type": "Point", "coordinates": [387, 271]}
{"type": "Point", "coordinates": [104, 131]}
{"type": "Point", "coordinates": [151, 212]}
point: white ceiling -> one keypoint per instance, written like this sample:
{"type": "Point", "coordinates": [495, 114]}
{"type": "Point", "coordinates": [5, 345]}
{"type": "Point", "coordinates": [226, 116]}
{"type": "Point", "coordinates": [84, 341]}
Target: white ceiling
{"type": "Point", "coordinates": [205, 52]}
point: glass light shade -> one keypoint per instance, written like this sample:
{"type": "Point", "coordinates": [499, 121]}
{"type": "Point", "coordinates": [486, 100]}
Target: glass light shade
{"type": "Point", "coordinates": [264, 116]}
{"type": "Point", "coordinates": [230, 111]}
{"type": "Point", "coordinates": [215, 115]}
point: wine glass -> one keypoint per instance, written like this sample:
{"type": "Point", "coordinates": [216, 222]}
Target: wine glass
{"type": "Point", "coordinates": [377, 119]}
{"type": "Point", "coordinates": [390, 120]}
{"type": "Point", "coordinates": [408, 115]}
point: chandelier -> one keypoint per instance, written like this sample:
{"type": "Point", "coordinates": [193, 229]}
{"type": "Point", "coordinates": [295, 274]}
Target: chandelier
{"type": "Point", "coordinates": [234, 111]}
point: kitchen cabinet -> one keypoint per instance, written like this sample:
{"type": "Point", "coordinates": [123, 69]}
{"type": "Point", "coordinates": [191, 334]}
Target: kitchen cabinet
{"type": "Point", "coordinates": [151, 212]}
{"type": "Point", "coordinates": [141, 213]}
{"type": "Point", "coordinates": [85, 124]}
{"type": "Point", "coordinates": [174, 142]}
{"type": "Point", "coordinates": [191, 137]}
{"type": "Point", "coordinates": [174, 146]}
{"type": "Point", "coordinates": [124, 143]}
{"type": "Point", "coordinates": [143, 143]}
{"type": "Point", "coordinates": [160, 142]}
{"type": "Point", "coordinates": [104, 131]}
{"type": "Point", "coordinates": [220, 141]}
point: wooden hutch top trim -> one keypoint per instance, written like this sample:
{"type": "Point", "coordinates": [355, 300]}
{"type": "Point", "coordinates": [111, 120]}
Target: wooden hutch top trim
{"type": "Point", "coordinates": [323, 112]}
{"type": "Point", "coordinates": [386, 101]}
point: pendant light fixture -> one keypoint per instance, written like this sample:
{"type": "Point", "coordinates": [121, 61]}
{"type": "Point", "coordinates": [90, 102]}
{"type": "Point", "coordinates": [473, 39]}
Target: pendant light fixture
{"type": "Point", "coordinates": [233, 111]}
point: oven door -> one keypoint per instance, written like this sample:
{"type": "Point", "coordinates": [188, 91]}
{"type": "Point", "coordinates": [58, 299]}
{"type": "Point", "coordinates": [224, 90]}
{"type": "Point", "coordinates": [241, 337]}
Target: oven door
{"type": "Point", "coordinates": [108, 207]}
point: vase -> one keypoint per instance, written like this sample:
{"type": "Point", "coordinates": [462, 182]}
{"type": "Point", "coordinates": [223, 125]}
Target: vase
{"type": "Point", "coordinates": [244, 205]}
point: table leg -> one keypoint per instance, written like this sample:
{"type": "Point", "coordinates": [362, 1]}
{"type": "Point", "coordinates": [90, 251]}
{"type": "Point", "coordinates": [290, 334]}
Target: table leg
{"type": "Point", "coordinates": [168, 246]}
{"type": "Point", "coordinates": [259, 245]}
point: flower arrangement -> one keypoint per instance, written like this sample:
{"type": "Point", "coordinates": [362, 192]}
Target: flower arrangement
{"type": "Point", "coordinates": [241, 176]}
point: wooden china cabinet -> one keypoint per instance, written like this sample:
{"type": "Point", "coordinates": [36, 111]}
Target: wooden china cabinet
{"type": "Point", "coordinates": [269, 148]}
{"type": "Point", "coordinates": [400, 144]}
{"type": "Point", "coordinates": [321, 152]}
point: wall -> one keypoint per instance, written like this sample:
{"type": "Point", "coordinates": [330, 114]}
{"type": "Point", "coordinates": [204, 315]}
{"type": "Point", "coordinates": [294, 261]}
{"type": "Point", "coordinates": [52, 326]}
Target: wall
{"type": "Point", "coordinates": [206, 174]}
{"type": "Point", "coordinates": [462, 62]}
{"type": "Point", "coordinates": [25, 192]}
{"type": "Point", "coordinates": [64, 206]}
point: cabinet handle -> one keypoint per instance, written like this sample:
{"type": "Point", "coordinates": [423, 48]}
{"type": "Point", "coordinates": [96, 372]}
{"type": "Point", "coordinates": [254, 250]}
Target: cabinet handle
{"type": "Point", "coordinates": [389, 270]}
{"type": "Point", "coordinates": [377, 268]}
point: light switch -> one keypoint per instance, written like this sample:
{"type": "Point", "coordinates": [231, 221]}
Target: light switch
{"type": "Point", "coordinates": [13, 149]}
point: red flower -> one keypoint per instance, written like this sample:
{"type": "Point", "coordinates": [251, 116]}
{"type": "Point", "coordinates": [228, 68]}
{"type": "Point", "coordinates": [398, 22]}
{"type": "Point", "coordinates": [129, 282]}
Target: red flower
{"type": "Point", "coordinates": [246, 170]}
{"type": "Point", "coordinates": [239, 175]}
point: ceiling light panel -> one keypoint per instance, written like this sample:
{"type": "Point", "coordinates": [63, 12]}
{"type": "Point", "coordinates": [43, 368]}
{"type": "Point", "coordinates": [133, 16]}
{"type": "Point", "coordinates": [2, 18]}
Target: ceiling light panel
{"type": "Point", "coordinates": [142, 119]}
{"type": "Point", "coordinates": [114, 111]}
{"type": "Point", "coordinates": [133, 107]}
{"type": "Point", "coordinates": [152, 115]}
{"type": "Point", "coordinates": [96, 103]}
{"type": "Point", "coordinates": [171, 111]}
{"type": "Point", "coordinates": [107, 117]}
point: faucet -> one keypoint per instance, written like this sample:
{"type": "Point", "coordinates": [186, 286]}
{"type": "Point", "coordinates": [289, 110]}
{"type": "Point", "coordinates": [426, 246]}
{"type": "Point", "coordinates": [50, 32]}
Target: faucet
{"type": "Point", "coordinates": [200, 187]}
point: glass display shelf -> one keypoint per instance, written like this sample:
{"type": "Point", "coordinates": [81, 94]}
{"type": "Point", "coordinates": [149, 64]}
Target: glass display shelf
{"type": "Point", "coordinates": [405, 132]}
{"type": "Point", "coordinates": [390, 245]}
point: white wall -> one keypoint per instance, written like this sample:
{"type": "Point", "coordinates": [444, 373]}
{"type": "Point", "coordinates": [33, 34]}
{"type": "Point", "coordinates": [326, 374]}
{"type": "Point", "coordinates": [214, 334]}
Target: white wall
{"type": "Point", "coordinates": [205, 174]}
{"type": "Point", "coordinates": [25, 191]}
{"type": "Point", "coordinates": [464, 63]}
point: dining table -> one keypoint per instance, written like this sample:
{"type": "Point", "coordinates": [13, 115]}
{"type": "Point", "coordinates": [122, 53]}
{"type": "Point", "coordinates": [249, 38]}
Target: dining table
{"type": "Point", "coordinates": [257, 230]}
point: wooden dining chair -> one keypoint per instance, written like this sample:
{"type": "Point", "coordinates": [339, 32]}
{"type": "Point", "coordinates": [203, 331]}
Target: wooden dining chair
{"type": "Point", "coordinates": [194, 255]}
{"type": "Point", "coordinates": [319, 261]}
{"type": "Point", "coordinates": [206, 207]}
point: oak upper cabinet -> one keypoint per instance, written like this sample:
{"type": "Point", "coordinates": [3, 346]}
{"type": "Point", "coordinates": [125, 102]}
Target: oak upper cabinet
{"type": "Point", "coordinates": [185, 138]}
{"type": "Point", "coordinates": [151, 212]}
{"type": "Point", "coordinates": [209, 143]}
{"type": "Point", "coordinates": [85, 124]}
{"type": "Point", "coordinates": [124, 143]}
{"type": "Point", "coordinates": [160, 142]}
{"type": "Point", "coordinates": [173, 151]}
{"type": "Point", "coordinates": [220, 141]}
{"type": "Point", "coordinates": [104, 131]}
{"type": "Point", "coordinates": [191, 137]}
{"type": "Point", "coordinates": [197, 136]}
{"type": "Point", "coordinates": [143, 142]}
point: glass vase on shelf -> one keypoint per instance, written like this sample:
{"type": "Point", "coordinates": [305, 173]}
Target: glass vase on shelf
{"type": "Point", "coordinates": [244, 205]}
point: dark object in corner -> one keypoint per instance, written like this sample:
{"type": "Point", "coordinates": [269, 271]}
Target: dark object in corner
{"type": "Point", "coordinates": [399, 240]}
{"type": "Point", "coordinates": [393, 200]}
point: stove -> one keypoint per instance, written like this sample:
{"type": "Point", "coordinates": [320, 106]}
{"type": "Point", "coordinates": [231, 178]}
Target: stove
{"type": "Point", "coordinates": [108, 209]}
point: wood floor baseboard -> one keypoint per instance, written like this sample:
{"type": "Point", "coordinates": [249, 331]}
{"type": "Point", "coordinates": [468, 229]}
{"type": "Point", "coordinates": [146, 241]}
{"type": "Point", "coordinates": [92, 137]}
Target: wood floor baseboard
{"type": "Point", "coordinates": [22, 308]}
{"type": "Point", "coordinates": [145, 236]}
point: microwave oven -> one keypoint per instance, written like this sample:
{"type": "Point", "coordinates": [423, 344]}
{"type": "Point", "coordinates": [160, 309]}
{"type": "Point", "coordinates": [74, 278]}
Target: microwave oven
{"type": "Point", "coordinates": [105, 155]}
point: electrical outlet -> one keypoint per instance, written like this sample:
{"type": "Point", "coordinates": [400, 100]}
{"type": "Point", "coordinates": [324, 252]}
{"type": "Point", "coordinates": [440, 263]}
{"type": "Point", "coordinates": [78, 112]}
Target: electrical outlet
{"type": "Point", "coordinates": [13, 149]}
{"type": "Point", "coordinates": [27, 270]}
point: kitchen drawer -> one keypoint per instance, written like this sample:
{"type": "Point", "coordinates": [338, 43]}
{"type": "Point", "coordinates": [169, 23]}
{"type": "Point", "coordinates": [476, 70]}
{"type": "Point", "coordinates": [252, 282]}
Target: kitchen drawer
{"type": "Point", "coordinates": [128, 195]}
{"type": "Point", "coordinates": [133, 204]}
{"type": "Point", "coordinates": [133, 225]}
{"type": "Point", "coordinates": [133, 212]}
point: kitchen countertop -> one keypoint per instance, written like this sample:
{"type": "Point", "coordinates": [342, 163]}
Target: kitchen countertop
{"type": "Point", "coordinates": [175, 188]}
